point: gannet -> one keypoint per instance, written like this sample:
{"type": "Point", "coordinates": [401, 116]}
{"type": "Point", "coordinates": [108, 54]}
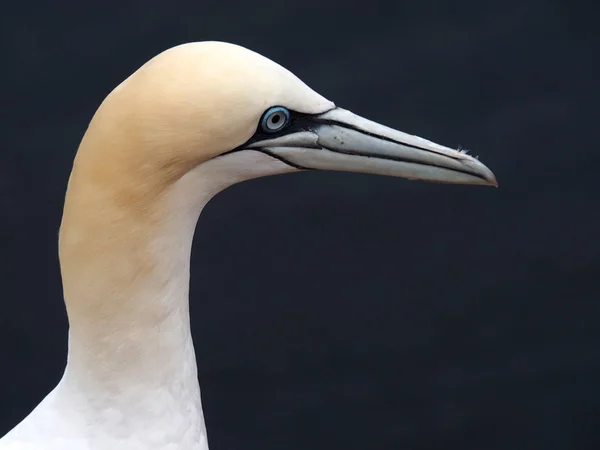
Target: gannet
{"type": "Point", "coordinates": [190, 122]}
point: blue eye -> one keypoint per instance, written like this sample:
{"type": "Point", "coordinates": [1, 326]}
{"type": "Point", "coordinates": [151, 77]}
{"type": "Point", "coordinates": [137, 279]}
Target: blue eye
{"type": "Point", "coordinates": [275, 119]}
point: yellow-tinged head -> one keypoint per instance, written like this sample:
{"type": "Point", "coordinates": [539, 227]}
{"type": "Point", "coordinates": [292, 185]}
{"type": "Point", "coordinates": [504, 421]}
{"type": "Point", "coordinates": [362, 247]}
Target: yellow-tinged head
{"type": "Point", "coordinates": [197, 101]}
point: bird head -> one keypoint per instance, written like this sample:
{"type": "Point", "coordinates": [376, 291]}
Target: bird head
{"type": "Point", "coordinates": [212, 100]}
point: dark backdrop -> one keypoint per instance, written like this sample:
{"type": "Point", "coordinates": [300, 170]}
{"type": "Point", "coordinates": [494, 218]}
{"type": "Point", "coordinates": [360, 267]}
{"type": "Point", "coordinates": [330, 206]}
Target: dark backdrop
{"type": "Point", "coordinates": [335, 310]}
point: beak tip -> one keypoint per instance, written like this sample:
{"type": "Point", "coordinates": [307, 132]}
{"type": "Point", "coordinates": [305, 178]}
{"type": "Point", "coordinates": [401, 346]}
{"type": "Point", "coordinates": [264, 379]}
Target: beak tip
{"type": "Point", "coordinates": [482, 170]}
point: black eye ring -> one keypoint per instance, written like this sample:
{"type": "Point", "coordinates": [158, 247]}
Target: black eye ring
{"type": "Point", "coordinates": [275, 119]}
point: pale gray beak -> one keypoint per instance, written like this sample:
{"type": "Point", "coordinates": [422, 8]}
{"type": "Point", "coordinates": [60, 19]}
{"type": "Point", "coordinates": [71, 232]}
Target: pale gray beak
{"type": "Point", "coordinates": [340, 140]}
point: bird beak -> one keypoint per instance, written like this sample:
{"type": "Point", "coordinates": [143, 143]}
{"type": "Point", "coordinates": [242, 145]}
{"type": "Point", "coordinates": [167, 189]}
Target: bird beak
{"type": "Point", "coordinates": [340, 140]}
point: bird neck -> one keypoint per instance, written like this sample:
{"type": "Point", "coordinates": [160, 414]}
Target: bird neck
{"type": "Point", "coordinates": [124, 247]}
{"type": "Point", "coordinates": [126, 269]}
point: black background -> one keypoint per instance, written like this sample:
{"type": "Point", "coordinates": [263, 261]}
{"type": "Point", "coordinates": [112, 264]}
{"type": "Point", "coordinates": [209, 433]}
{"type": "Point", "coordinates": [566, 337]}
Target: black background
{"type": "Point", "coordinates": [335, 310]}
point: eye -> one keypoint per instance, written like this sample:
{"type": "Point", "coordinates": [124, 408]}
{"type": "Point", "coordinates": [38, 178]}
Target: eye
{"type": "Point", "coordinates": [275, 119]}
